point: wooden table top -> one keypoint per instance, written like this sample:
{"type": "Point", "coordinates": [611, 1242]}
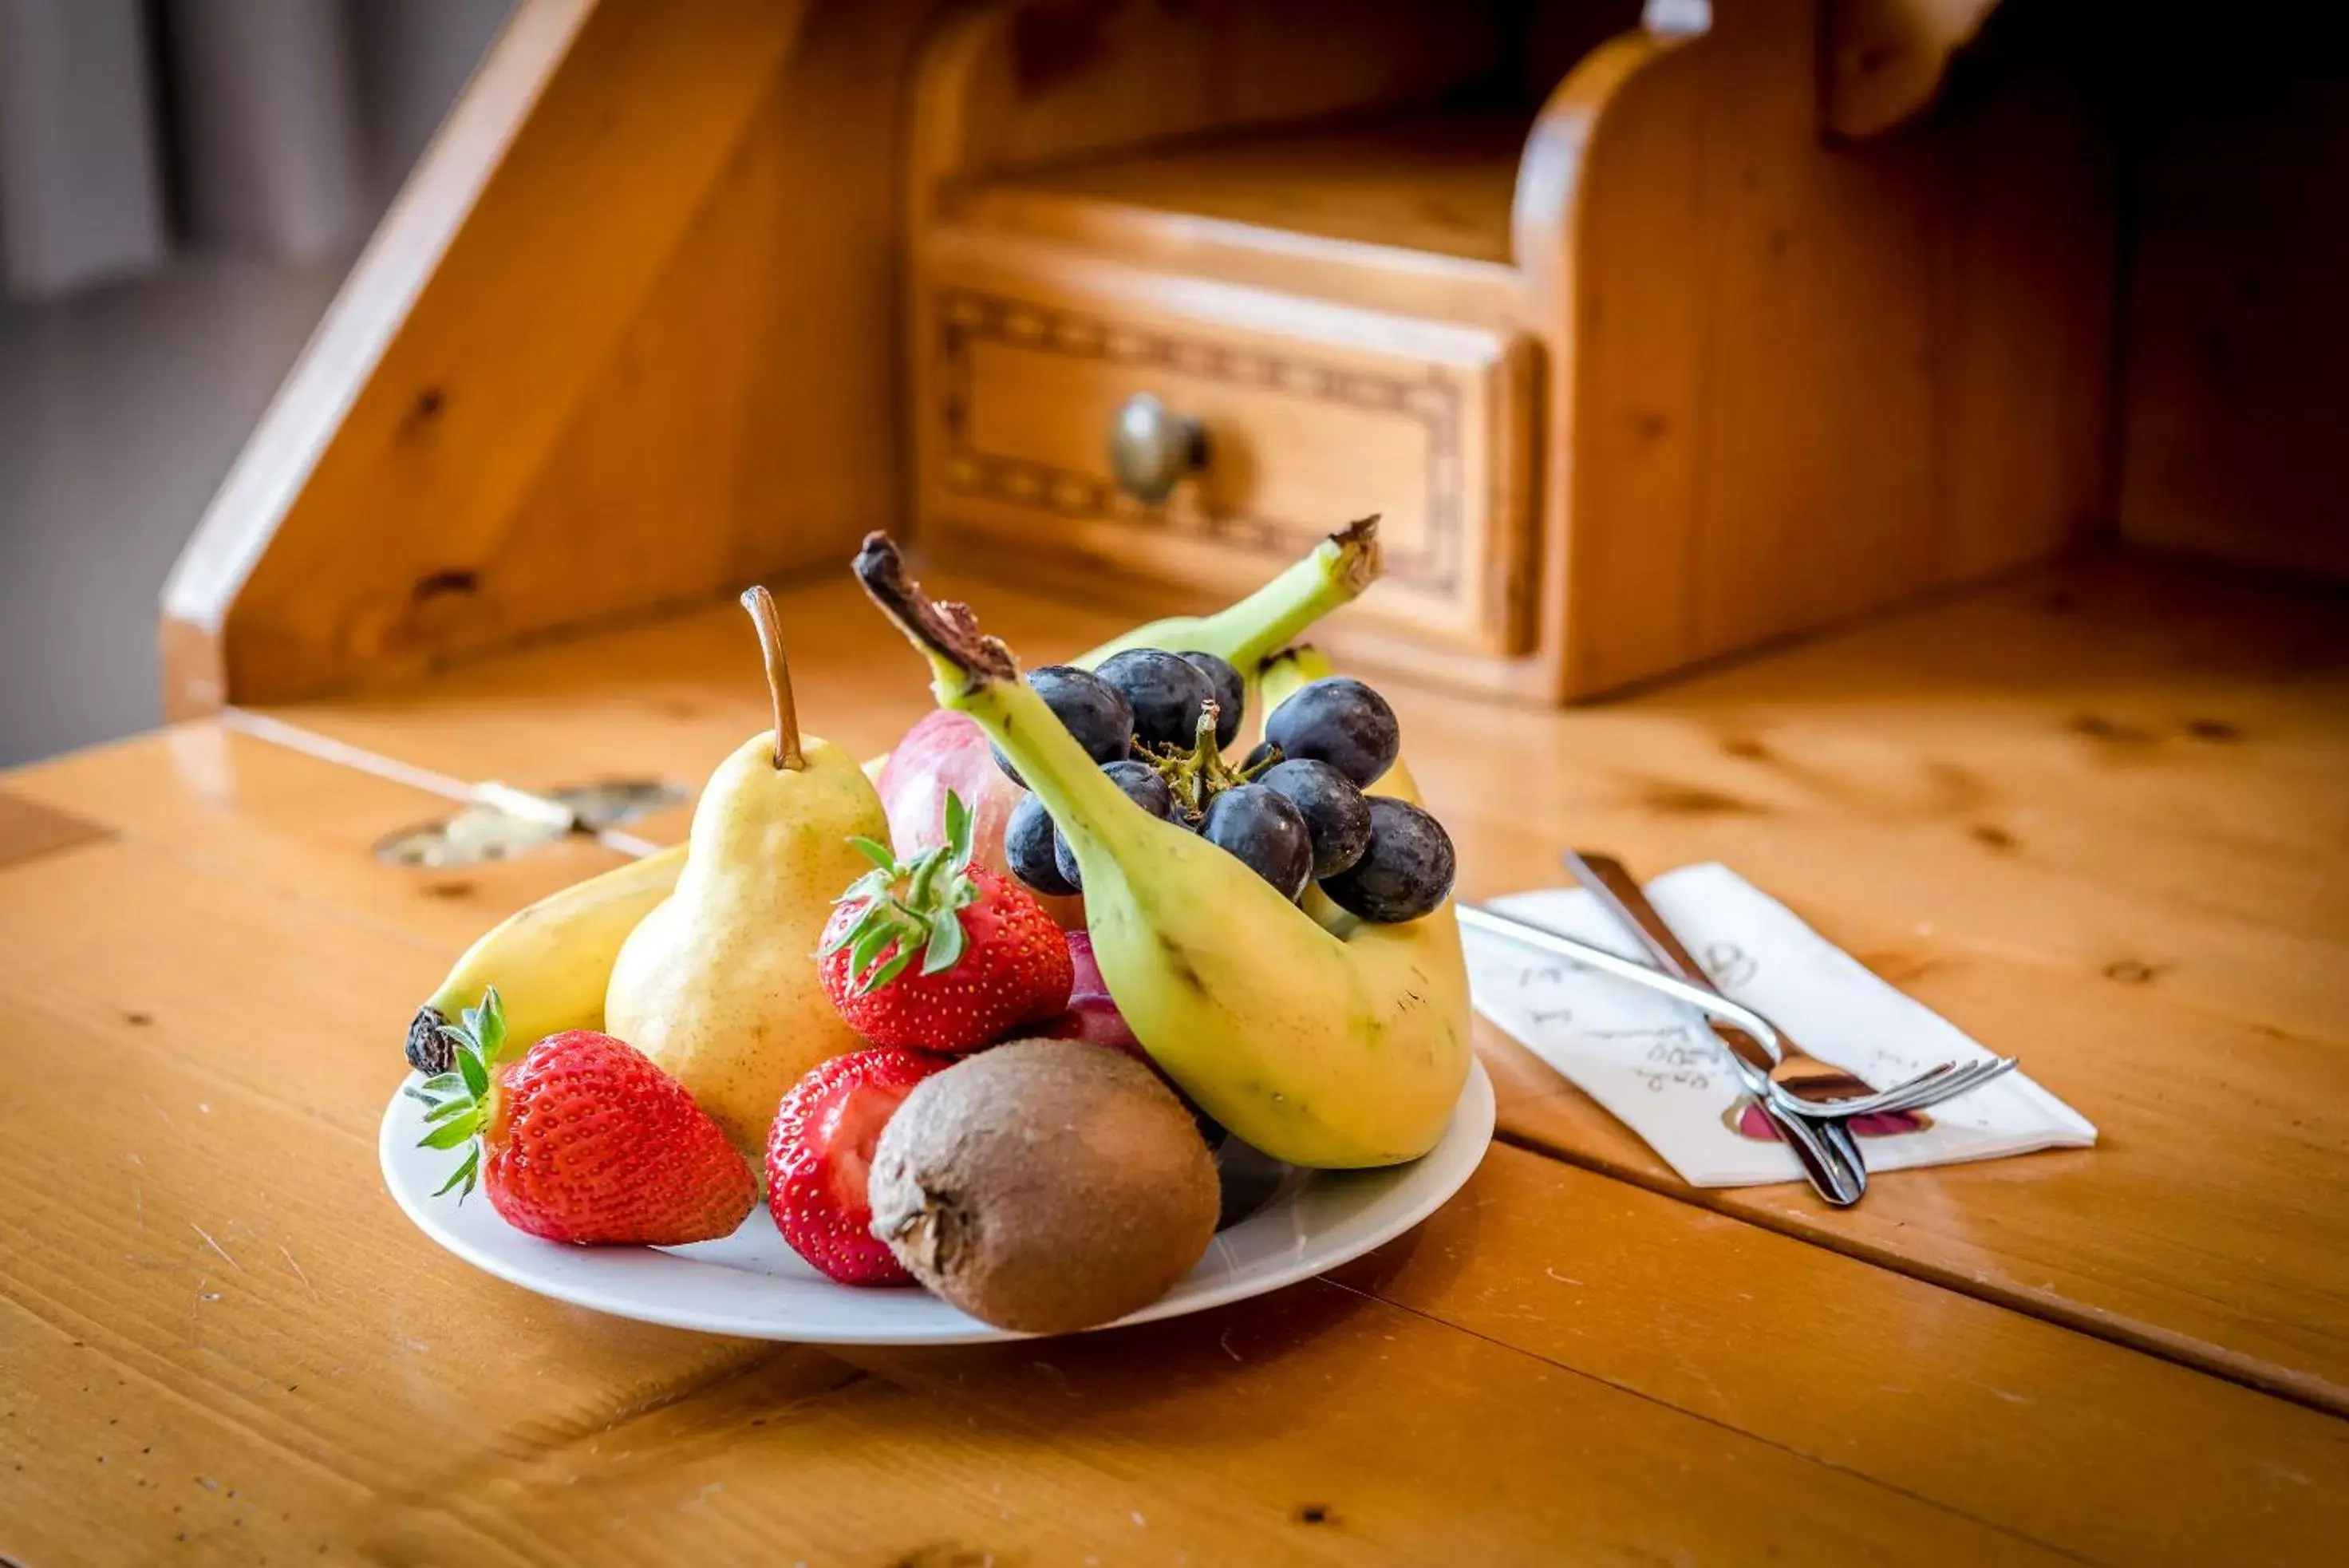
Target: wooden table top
{"type": "Point", "coordinates": [2095, 817]}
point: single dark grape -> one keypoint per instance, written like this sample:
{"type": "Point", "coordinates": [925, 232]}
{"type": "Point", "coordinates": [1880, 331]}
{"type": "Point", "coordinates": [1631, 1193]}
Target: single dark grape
{"type": "Point", "coordinates": [1031, 846]}
{"type": "Point", "coordinates": [1094, 712]}
{"type": "Point", "coordinates": [1231, 694]}
{"type": "Point", "coordinates": [1165, 694]}
{"type": "Point", "coordinates": [1266, 831]}
{"type": "Point", "coordinates": [1247, 1178]}
{"type": "Point", "coordinates": [1406, 871]}
{"type": "Point", "coordinates": [1335, 812]}
{"type": "Point", "coordinates": [1262, 753]}
{"type": "Point", "coordinates": [1143, 786]}
{"type": "Point", "coordinates": [1339, 721]}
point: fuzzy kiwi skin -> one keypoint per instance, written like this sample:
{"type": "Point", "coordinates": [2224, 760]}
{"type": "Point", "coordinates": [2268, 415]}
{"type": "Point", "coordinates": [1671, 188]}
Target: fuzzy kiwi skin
{"type": "Point", "coordinates": [1045, 1186]}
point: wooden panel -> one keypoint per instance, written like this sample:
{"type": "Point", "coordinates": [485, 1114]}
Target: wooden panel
{"type": "Point", "coordinates": [2094, 816]}
{"type": "Point", "coordinates": [202, 1347]}
{"type": "Point", "coordinates": [2231, 411]}
{"type": "Point", "coordinates": [591, 396]}
{"type": "Point", "coordinates": [747, 421]}
{"type": "Point", "coordinates": [1311, 409]}
{"type": "Point", "coordinates": [1018, 84]}
{"type": "Point", "coordinates": [1807, 379]}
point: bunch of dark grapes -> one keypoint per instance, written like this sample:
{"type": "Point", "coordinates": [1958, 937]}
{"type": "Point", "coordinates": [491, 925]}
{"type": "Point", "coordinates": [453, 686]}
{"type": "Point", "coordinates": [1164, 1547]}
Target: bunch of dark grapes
{"type": "Point", "coordinates": [1295, 812]}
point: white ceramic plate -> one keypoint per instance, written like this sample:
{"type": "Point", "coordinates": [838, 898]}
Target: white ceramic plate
{"type": "Point", "coordinates": [752, 1286]}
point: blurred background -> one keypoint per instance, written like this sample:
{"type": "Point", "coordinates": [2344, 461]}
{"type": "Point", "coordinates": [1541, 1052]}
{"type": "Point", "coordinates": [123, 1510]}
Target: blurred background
{"type": "Point", "coordinates": [182, 185]}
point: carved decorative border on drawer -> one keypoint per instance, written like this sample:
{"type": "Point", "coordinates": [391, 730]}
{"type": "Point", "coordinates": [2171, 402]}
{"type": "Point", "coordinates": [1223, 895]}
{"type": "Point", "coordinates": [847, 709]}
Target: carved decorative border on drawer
{"type": "Point", "coordinates": [967, 316]}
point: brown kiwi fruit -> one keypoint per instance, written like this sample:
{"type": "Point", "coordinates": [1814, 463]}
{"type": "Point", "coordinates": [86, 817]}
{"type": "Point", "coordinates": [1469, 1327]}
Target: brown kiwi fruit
{"type": "Point", "coordinates": [1045, 1186]}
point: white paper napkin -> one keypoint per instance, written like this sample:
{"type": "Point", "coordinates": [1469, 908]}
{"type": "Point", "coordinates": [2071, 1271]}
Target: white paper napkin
{"type": "Point", "coordinates": [1655, 1065]}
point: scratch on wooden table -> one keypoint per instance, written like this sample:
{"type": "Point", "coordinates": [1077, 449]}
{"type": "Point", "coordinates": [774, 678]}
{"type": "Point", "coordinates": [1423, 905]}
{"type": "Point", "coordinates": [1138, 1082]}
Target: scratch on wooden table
{"type": "Point", "coordinates": [297, 1267]}
{"type": "Point", "coordinates": [201, 1296]}
{"type": "Point", "coordinates": [215, 1246]}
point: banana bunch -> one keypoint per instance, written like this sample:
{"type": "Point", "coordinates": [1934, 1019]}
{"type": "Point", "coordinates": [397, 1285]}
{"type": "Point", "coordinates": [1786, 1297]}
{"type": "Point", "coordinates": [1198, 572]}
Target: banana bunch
{"type": "Point", "coordinates": [552, 963]}
{"type": "Point", "coordinates": [1246, 634]}
{"type": "Point", "coordinates": [1319, 1039]}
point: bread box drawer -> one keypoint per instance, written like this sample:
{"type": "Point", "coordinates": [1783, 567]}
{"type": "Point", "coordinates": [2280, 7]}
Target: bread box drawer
{"type": "Point", "coordinates": [1311, 415]}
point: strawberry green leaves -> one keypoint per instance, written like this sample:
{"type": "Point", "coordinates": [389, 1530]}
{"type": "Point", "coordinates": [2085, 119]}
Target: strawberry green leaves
{"type": "Point", "coordinates": [459, 1102]}
{"type": "Point", "coordinates": [909, 908]}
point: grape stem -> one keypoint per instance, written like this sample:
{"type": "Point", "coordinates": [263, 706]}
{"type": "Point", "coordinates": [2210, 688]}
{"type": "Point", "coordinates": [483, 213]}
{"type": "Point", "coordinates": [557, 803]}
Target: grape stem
{"type": "Point", "coordinates": [1196, 776]}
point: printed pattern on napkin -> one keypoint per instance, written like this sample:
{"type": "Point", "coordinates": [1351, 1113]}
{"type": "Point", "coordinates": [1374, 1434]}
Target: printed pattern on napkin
{"type": "Point", "coordinates": [1655, 1065]}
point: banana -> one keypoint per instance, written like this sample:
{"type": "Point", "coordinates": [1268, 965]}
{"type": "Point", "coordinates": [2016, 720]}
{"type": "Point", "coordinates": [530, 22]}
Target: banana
{"type": "Point", "coordinates": [551, 960]}
{"type": "Point", "coordinates": [1335, 1045]}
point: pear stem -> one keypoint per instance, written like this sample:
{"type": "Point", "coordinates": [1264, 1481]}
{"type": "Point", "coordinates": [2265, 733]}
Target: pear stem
{"type": "Point", "coordinates": [762, 605]}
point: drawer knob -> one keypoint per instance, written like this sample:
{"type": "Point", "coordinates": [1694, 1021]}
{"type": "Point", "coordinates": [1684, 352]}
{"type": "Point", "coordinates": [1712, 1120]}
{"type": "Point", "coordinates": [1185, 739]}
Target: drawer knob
{"type": "Point", "coordinates": [1152, 447]}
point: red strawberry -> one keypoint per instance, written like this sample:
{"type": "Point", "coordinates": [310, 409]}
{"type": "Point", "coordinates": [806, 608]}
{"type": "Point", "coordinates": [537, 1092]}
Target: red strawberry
{"type": "Point", "coordinates": [586, 1141]}
{"type": "Point", "coordinates": [822, 1148]}
{"type": "Point", "coordinates": [990, 957]}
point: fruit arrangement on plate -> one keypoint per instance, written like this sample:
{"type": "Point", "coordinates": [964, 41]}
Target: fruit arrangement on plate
{"type": "Point", "coordinates": [1024, 1012]}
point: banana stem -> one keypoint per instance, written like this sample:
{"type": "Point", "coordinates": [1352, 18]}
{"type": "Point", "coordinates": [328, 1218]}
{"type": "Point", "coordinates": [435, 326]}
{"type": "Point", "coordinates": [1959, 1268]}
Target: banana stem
{"type": "Point", "coordinates": [763, 615]}
{"type": "Point", "coordinates": [975, 674]}
{"type": "Point", "coordinates": [1340, 567]}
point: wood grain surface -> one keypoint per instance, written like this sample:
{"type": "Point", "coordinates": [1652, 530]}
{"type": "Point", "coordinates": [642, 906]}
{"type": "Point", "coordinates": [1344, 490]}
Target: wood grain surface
{"type": "Point", "coordinates": [27, 828]}
{"type": "Point", "coordinates": [222, 1337]}
{"type": "Point", "coordinates": [2093, 816]}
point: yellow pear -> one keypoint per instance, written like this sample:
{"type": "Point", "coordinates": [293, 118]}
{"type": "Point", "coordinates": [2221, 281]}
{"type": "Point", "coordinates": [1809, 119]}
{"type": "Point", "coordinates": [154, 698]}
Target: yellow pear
{"type": "Point", "coordinates": [718, 985]}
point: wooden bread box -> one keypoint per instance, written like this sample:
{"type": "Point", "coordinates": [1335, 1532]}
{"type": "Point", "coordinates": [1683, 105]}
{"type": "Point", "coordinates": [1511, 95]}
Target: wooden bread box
{"type": "Point", "coordinates": [1652, 333]}
{"type": "Point", "coordinates": [1518, 281]}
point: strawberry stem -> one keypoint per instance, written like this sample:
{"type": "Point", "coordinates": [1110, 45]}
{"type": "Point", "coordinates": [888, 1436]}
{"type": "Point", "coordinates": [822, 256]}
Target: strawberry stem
{"type": "Point", "coordinates": [908, 909]}
{"type": "Point", "coordinates": [462, 1103]}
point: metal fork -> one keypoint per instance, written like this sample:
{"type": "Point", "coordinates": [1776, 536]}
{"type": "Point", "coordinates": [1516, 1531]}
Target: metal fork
{"type": "Point", "coordinates": [1835, 1173]}
{"type": "Point", "coordinates": [1816, 1131]}
{"type": "Point", "coordinates": [1612, 884]}
{"type": "Point", "coordinates": [1928, 1088]}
